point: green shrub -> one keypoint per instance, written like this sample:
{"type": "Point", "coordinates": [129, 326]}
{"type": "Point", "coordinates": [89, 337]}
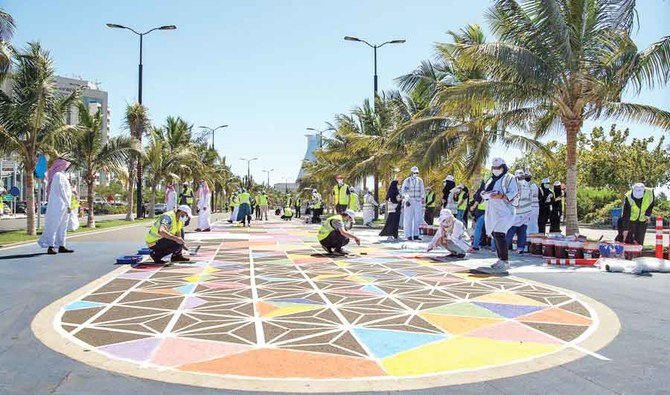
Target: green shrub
{"type": "Point", "coordinates": [592, 203]}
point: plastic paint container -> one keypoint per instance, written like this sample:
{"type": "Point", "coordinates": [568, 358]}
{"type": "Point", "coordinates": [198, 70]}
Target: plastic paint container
{"type": "Point", "coordinates": [632, 251]}
{"type": "Point", "coordinates": [560, 249]}
{"type": "Point", "coordinates": [591, 250]}
{"type": "Point", "coordinates": [575, 250]}
{"type": "Point", "coordinates": [548, 247]}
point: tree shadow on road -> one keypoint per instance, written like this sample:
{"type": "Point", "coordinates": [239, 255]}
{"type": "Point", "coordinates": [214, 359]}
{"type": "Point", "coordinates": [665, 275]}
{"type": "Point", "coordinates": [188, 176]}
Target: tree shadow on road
{"type": "Point", "coordinates": [19, 256]}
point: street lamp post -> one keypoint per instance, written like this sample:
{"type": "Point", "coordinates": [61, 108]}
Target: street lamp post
{"type": "Point", "coordinates": [139, 100]}
{"type": "Point", "coordinates": [249, 170]}
{"type": "Point", "coordinates": [374, 48]}
{"type": "Point", "coordinates": [320, 133]}
{"type": "Point", "coordinates": [268, 171]}
{"type": "Point", "coordinates": [208, 129]}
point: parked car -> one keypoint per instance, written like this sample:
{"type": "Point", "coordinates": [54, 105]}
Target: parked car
{"type": "Point", "coordinates": [21, 207]}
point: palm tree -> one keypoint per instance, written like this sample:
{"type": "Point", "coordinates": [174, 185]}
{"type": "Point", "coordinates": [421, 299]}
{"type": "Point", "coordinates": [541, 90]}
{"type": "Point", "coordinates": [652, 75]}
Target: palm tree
{"type": "Point", "coordinates": [559, 63]}
{"type": "Point", "coordinates": [136, 120]}
{"type": "Point", "coordinates": [456, 136]}
{"type": "Point", "coordinates": [7, 26]}
{"type": "Point", "coordinates": [88, 152]}
{"type": "Point", "coordinates": [32, 116]}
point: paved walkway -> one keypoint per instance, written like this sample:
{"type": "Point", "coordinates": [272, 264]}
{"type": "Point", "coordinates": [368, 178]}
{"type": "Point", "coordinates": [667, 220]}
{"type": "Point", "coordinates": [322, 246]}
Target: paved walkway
{"type": "Point", "coordinates": [264, 309]}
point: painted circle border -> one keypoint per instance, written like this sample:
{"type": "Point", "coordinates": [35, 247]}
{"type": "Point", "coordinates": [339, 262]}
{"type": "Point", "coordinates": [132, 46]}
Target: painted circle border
{"type": "Point", "coordinates": [47, 330]}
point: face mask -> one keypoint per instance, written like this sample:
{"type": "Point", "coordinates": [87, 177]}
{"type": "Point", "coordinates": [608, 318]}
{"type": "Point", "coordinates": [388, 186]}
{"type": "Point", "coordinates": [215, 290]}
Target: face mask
{"type": "Point", "coordinates": [546, 185]}
{"type": "Point", "coordinates": [638, 194]}
{"type": "Point", "coordinates": [527, 179]}
{"type": "Point", "coordinates": [415, 175]}
{"type": "Point", "coordinates": [496, 172]}
{"type": "Point", "coordinates": [340, 182]}
{"type": "Point", "coordinates": [183, 218]}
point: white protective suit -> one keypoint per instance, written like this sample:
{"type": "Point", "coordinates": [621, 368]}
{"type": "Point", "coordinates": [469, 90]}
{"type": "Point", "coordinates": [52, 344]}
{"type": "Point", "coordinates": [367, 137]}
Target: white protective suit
{"type": "Point", "coordinates": [522, 210]}
{"type": "Point", "coordinates": [57, 217]}
{"type": "Point", "coordinates": [369, 204]}
{"type": "Point", "coordinates": [456, 242]}
{"type": "Point", "coordinates": [534, 209]}
{"type": "Point", "coordinates": [204, 210]}
{"type": "Point", "coordinates": [499, 215]}
{"type": "Point", "coordinates": [413, 192]}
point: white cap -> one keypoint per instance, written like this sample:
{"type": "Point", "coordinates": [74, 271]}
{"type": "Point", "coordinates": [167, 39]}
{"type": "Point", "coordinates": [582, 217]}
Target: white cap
{"type": "Point", "coordinates": [185, 208]}
{"type": "Point", "coordinates": [638, 186]}
{"type": "Point", "coordinates": [546, 181]}
{"type": "Point", "coordinates": [497, 162]}
{"type": "Point", "coordinates": [557, 184]}
{"type": "Point", "coordinates": [350, 213]}
{"type": "Point", "coordinates": [460, 186]}
{"type": "Point", "coordinates": [449, 178]}
{"type": "Point", "coordinates": [415, 169]}
{"type": "Point", "coordinates": [519, 173]}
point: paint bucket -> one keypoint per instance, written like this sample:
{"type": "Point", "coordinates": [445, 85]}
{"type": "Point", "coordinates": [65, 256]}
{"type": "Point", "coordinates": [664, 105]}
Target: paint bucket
{"type": "Point", "coordinates": [632, 251]}
{"type": "Point", "coordinates": [591, 251]}
{"type": "Point", "coordinates": [548, 247]}
{"type": "Point", "coordinates": [575, 250]}
{"type": "Point", "coordinates": [536, 248]}
{"type": "Point", "coordinates": [560, 249]}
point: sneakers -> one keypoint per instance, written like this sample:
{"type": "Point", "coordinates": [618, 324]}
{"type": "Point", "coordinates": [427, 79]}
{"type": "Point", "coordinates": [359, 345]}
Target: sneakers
{"type": "Point", "coordinates": [417, 238]}
{"type": "Point", "coordinates": [156, 258]}
{"type": "Point", "coordinates": [501, 266]}
{"type": "Point", "coordinates": [198, 230]}
{"type": "Point", "coordinates": [391, 238]}
{"type": "Point", "coordinates": [327, 249]}
{"type": "Point", "coordinates": [64, 250]}
{"type": "Point", "coordinates": [51, 251]}
{"type": "Point", "coordinates": [340, 251]}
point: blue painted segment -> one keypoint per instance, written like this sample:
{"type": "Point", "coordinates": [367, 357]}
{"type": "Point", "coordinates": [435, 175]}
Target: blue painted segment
{"type": "Point", "coordinates": [185, 289]}
{"type": "Point", "coordinates": [383, 343]}
{"type": "Point", "coordinates": [373, 289]}
{"type": "Point", "coordinates": [82, 304]}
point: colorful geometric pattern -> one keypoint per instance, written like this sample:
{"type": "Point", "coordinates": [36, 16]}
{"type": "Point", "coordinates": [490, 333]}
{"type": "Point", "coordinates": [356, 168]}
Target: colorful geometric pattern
{"type": "Point", "coordinates": [263, 302]}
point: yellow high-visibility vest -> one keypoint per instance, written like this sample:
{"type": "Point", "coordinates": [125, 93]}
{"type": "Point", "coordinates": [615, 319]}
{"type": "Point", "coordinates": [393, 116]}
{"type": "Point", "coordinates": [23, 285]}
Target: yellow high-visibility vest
{"type": "Point", "coordinates": [175, 228]}
{"type": "Point", "coordinates": [327, 227]}
{"type": "Point", "coordinates": [340, 194]}
{"type": "Point", "coordinates": [430, 199]}
{"type": "Point", "coordinates": [637, 213]}
{"type": "Point", "coordinates": [353, 201]}
{"type": "Point", "coordinates": [263, 200]}
{"type": "Point", "coordinates": [244, 197]}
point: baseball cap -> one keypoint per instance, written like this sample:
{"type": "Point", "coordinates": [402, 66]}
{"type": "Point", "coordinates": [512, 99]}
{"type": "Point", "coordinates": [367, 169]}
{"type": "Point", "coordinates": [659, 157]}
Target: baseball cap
{"type": "Point", "coordinates": [350, 213]}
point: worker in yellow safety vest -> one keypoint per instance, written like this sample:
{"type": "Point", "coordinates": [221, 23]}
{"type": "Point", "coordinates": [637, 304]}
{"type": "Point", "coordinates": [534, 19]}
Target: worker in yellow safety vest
{"type": "Point", "coordinates": [297, 203]}
{"type": "Point", "coordinates": [354, 201]}
{"type": "Point", "coordinates": [165, 236]}
{"type": "Point", "coordinates": [263, 204]}
{"type": "Point", "coordinates": [637, 207]}
{"type": "Point", "coordinates": [333, 234]}
{"type": "Point", "coordinates": [462, 202]}
{"type": "Point", "coordinates": [186, 196]}
{"type": "Point", "coordinates": [235, 206]}
{"type": "Point", "coordinates": [317, 206]}
{"type": "Point", "coordinates": [429, 215]}
{"type": "Point", "coordinates": [340, 195]}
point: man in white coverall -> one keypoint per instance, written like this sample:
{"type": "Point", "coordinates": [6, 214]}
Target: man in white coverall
{"type": "Point", "coordinates": [413, 192]}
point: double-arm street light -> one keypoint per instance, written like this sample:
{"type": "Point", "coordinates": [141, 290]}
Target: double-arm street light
{"type": "Point", "coordinates": [139, 100]}
{"type": "Point", "coordinates": [249, 170]}
{"type": "Point", "coordinates": [320, 133]}
{"type": "Point", "coordinates": [268, 171]}
{"type": "Point", "coordinates": [374, 47]}
{"type": "Point", "coordinates": [208, 129]}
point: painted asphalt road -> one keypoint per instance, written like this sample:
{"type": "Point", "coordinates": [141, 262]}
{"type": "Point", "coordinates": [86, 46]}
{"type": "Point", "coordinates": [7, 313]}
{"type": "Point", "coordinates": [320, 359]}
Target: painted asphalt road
{"type": "Point", "coordinates": [638, 363]}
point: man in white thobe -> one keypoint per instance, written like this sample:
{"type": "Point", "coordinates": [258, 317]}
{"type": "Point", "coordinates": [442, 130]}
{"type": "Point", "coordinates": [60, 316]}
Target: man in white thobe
{"type": "Point", "coordinates": [413, 192]}
{"type": "Point", "coordinates": [58, 209]}
{"type": "Point", "coordinates": [533, 226]}
{"type": "Point", "coordinates": [204, 212]}
{"type": "Point", "coordinates": [369, 204]}
{"type": "Point", "coordinates": [170, 198]}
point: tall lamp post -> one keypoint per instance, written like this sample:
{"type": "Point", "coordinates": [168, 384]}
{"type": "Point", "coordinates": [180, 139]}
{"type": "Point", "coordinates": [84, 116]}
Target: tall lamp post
{"type": "Point", "coordinates": [320, 133]}
{"type": "Point", "coordinates": [374, 48]}
{"type": "Point", "coordinates": [268, 171]}
{"type": "Point", "coordinates": [249, 170]}
{"type": "Point", "coordinates": [208, 129]}
{"type": "Point", "coordinates": [139, 100]}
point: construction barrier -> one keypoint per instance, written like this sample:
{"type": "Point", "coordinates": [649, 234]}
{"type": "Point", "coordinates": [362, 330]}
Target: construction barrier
{"type": "Point", "coordinates": [659, 237]}
{"type": "Point", "coordinates": [572, 262]}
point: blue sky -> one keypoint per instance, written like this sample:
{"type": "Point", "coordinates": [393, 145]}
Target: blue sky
{"type": "Point", "coordinates": [269, 69]}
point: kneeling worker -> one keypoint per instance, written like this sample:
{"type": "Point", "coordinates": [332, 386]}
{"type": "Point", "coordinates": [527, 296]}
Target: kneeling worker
{"type": "Point", "coordinates": [333, 234]}
{"type": "Point", "coordinates": [450, 235]}
{"type": "Point", "coordinates": [164, 237]}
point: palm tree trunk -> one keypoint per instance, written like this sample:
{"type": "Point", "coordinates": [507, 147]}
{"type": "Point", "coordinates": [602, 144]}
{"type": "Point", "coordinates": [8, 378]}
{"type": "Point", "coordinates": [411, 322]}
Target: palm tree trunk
{"type": "Point", "coordinates": [375, 180]}
{"type": "Point", "coordinates": [572, 128]}
{"type": "Point", "coordinates": [90, 194]}
{"type": "Point", "coordinates": [476, 178]}
{"type": "Point", "coordinates": [152, 209]}
{"type": "Point", "coordinates": [30, 200]}
{"type": "Point", "coordinates": [131, 190]}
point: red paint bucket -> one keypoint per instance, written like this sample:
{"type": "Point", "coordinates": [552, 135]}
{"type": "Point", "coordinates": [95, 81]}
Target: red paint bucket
{"type": "Point", "coordinates": [548, 248]}
{"type": "Point", "coordinates": [575, 250]}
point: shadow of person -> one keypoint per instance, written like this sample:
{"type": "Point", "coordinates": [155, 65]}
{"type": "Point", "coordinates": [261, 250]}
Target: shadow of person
{"type": "Point", "coordinates": [19, 256]}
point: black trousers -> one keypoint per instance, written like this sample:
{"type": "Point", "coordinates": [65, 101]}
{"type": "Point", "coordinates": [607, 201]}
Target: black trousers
{"type": "Point", "coordinates": [297, 211]}
{"type": "Point", "coordinates": [542, 220]}
{"type": "Point", "coordinates": [501, 245]}
{"type": "Point", "coordinates": [335, 240]}
{"type": "Point", "coordinates": [555, 221]}
{"type": "Point", "coordinates": [165, 247]}
{"type": "Point", "coordinates": [636, 232]}
{"type": "Point", "coordinates": [316, 215]}
{"type": "Point", "coordinates": [429, 216]}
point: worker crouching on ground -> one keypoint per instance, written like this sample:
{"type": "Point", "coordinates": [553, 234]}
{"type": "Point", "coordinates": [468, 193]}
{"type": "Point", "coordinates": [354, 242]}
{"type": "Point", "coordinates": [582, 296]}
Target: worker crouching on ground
{"type": "Point", "coordinates": [450, 235]}
{"type": "Point", "coordinates": [333, 235]}
{"type": "Point", "coordinates": [165, 235]}
{"type": "Point", "coordinates": [287, 214]}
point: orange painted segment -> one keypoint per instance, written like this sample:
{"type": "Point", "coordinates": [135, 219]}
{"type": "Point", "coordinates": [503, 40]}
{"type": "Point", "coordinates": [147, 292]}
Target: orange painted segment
{"type": "Point", "coordinates": [277, 363]}
{"type": "Point", "coordinates": [457, 325]}
{"type": "Point", "coordinates": [265, 308]}
{"type": "Point", "coordinates": [556, 316]}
